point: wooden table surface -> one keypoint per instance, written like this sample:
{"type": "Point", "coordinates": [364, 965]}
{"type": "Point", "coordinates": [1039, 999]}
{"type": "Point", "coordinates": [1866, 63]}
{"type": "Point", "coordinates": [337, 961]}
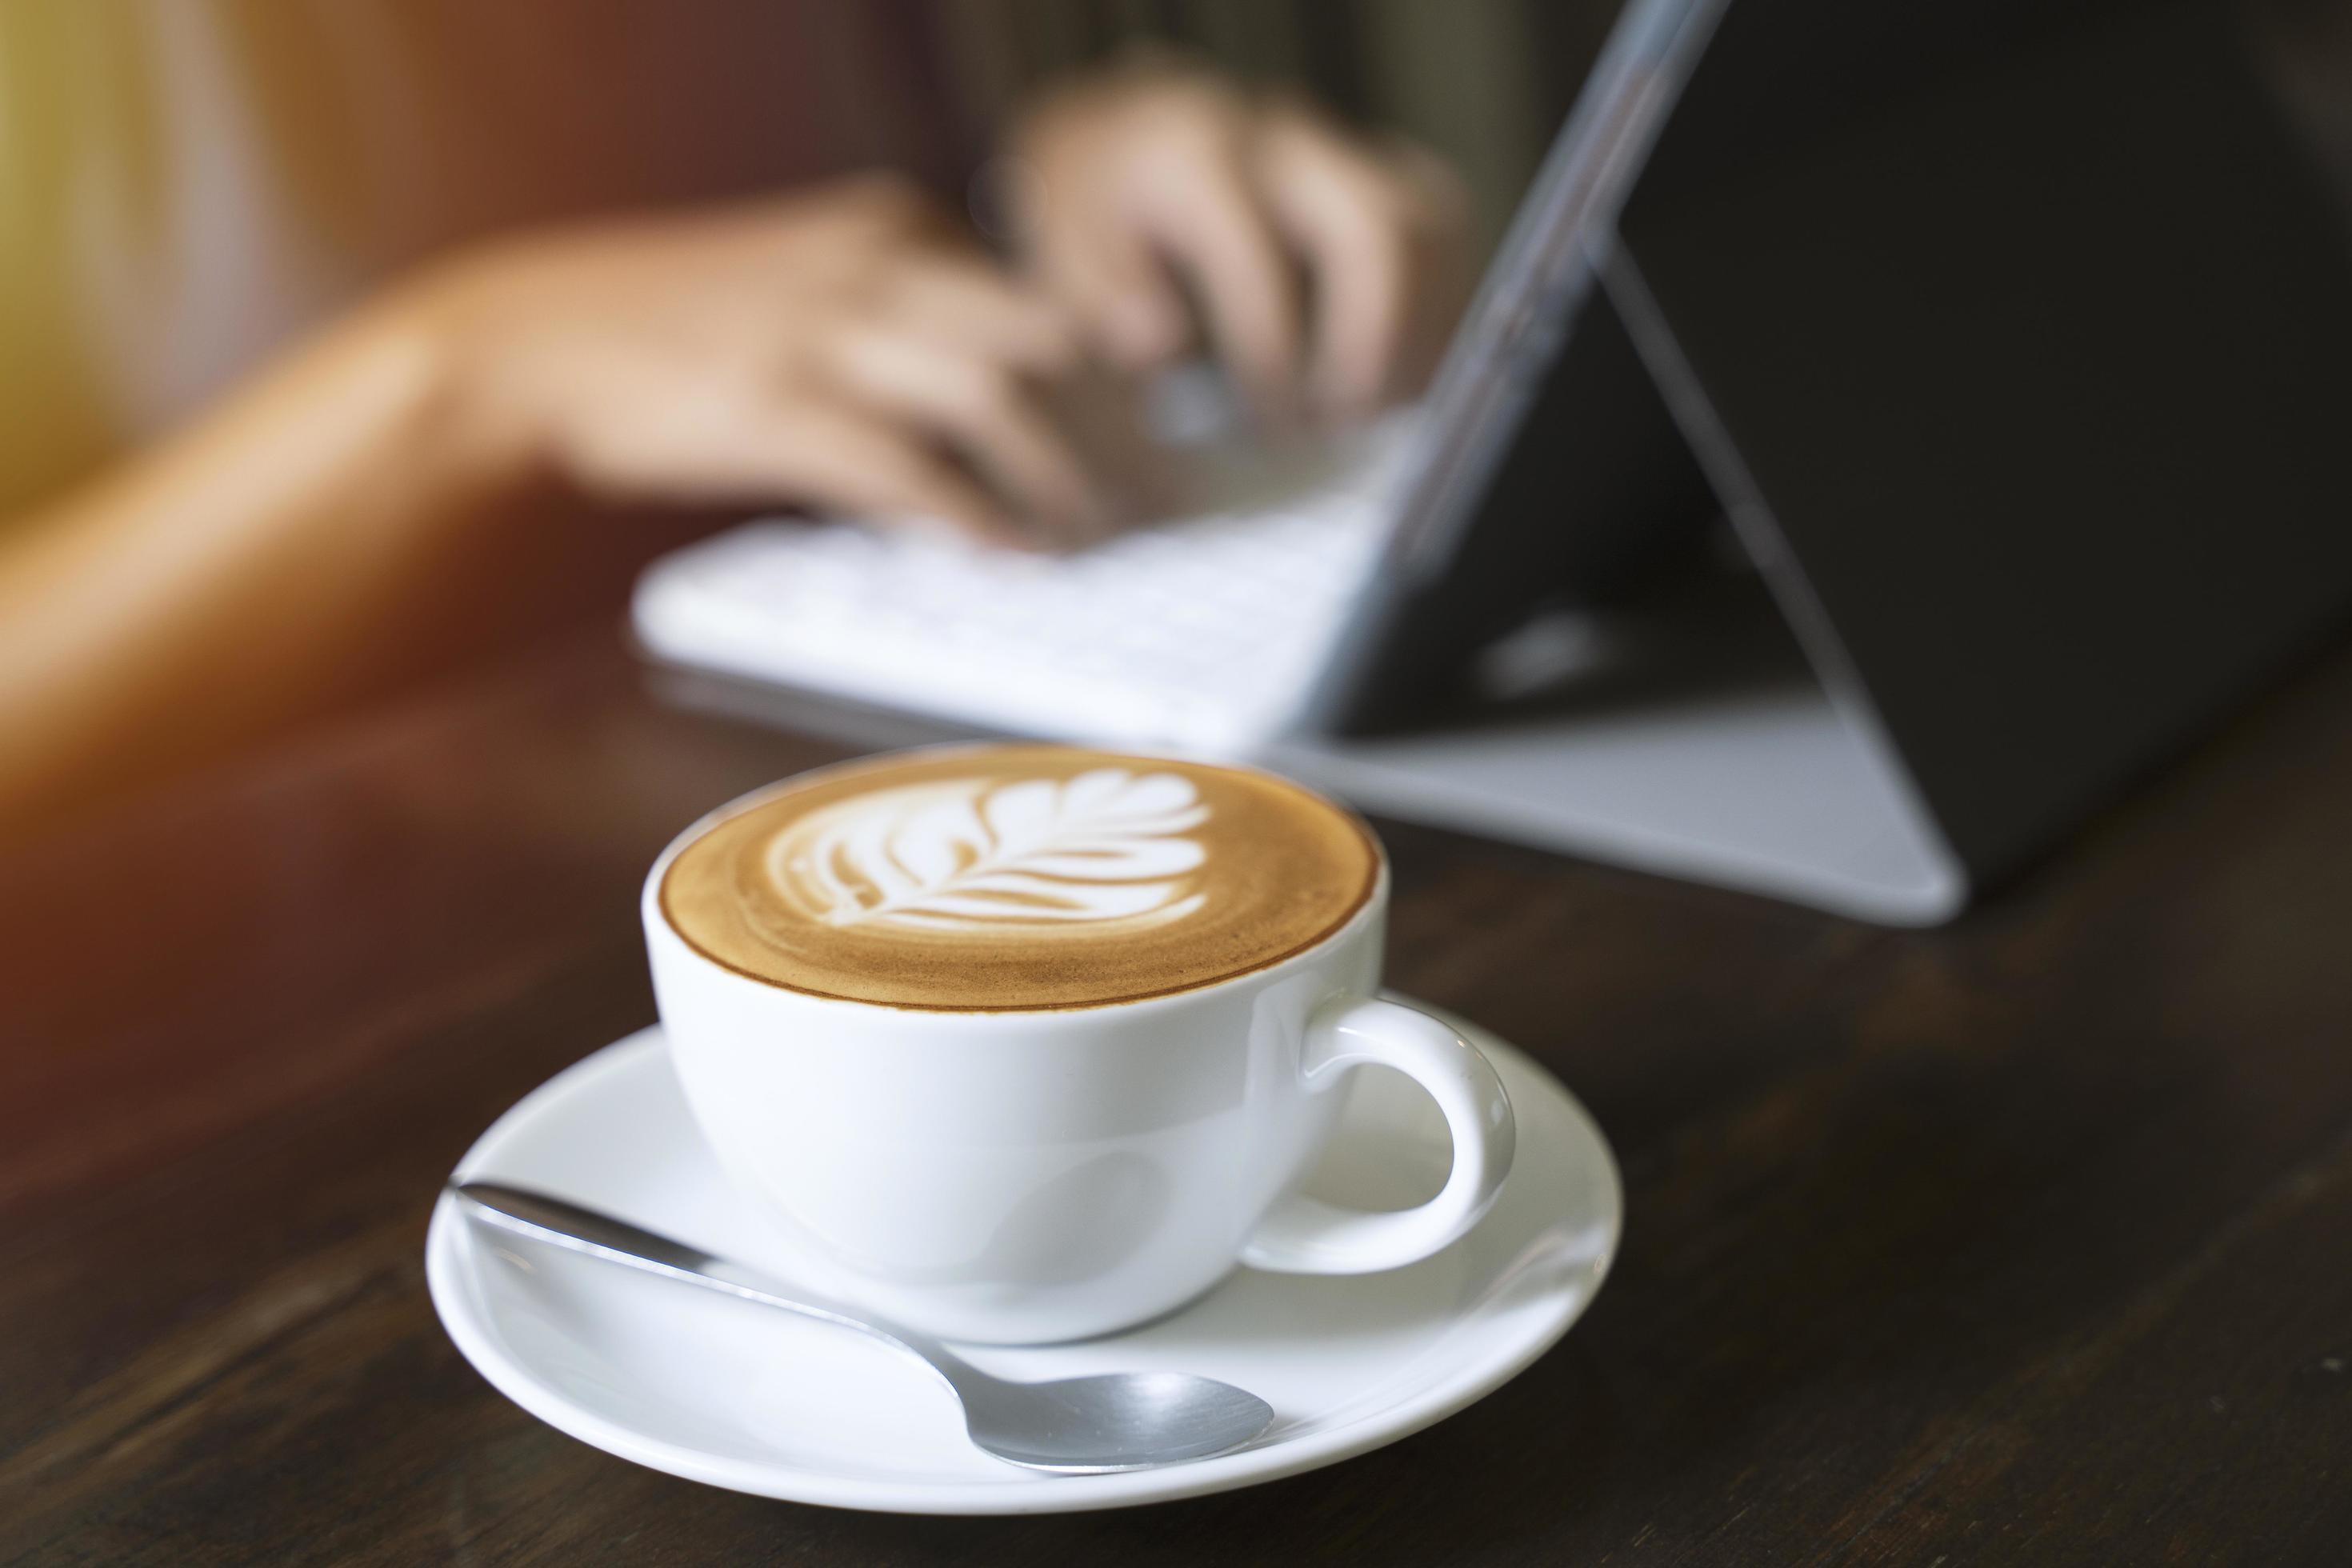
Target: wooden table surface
{"type": "Point", "coordinates": [2025, 1241]}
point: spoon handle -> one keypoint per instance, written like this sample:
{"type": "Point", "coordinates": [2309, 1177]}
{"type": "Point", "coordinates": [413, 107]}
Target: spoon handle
{"type": "Point", "coordinates": [584, 1230]}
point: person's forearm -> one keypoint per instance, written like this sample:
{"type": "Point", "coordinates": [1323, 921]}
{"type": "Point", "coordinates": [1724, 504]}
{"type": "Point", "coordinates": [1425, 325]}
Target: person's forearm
{"type": "Point", "coordinates": [234, 575]}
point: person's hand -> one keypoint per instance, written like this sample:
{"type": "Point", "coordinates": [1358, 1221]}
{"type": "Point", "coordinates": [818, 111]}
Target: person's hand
{"type": "Point", "coordinates": [845, 348]}
{"type": "Point", "coordinates": [1327, 266]}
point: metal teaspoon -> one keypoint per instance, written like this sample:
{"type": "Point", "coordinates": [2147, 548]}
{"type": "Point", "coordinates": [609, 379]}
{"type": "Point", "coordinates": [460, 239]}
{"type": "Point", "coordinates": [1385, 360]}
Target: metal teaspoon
{"type": "Point", "coordinates": [1074, 1426]}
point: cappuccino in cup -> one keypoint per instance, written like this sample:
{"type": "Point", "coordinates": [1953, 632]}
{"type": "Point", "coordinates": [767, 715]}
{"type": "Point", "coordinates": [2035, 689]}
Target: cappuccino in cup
{"type": "Point", "coordinates": [1029, 1042]}
{"type": "Point", "coordinates": [1019, 878]}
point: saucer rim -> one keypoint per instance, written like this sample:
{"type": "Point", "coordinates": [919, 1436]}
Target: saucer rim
{"type": "Point", "coordinates": [447, 1278]}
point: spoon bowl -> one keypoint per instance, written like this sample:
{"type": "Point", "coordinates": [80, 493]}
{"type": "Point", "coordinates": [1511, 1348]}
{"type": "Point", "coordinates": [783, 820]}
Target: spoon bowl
{"type": "Point", "coordinates": [1116, 1421]}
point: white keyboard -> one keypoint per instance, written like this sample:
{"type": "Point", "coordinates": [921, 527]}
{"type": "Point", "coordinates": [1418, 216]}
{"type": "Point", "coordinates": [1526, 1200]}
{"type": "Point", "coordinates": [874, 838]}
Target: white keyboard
{"type": "Point", "coordinates": [1203, 633]}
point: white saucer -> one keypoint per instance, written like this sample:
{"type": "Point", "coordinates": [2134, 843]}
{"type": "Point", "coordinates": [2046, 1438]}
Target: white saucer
{"type": "Point", "coordinates": [746, 1398]}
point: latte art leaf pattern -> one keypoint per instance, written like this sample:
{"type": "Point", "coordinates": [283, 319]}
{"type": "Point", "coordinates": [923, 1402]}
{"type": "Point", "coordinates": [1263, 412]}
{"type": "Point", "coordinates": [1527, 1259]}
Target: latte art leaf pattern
{"type": "Point", "coordinates": [961, 855]}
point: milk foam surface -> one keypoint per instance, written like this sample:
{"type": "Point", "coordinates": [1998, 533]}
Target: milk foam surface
{"type": "Point", "coordinates": [1015, 877]}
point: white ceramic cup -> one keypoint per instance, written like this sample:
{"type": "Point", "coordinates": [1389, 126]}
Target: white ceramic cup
{"type": "Point", "coordinates": [1023, 1176]}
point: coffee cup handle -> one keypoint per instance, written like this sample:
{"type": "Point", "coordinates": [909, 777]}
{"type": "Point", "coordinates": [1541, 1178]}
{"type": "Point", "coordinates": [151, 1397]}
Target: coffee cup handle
{"type": "Point", "coordinates": [1306, 1236]}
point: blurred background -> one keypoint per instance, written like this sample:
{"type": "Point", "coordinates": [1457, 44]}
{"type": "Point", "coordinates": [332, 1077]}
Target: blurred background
{"type": "Point", "coordinates": [223, 222]}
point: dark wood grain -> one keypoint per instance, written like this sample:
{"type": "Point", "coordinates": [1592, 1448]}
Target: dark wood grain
{"type": "Point", "coordinates": [2029, 1241]}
